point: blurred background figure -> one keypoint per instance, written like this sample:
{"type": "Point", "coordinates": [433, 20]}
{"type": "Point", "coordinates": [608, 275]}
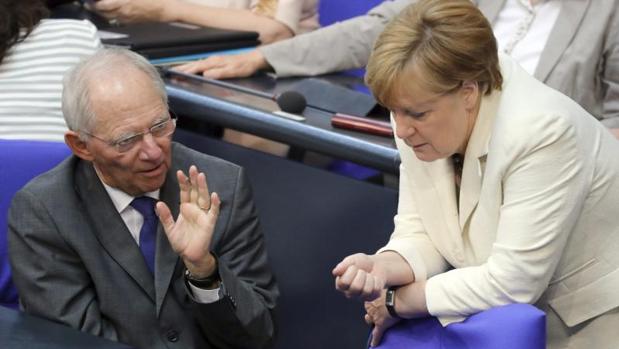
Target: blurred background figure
{"type": "Point", "coordinates": [274, 20]}
{"type": "Point", "coordinates": [34, 54]}
{"type": "Point", "coordinates": [572, 46]}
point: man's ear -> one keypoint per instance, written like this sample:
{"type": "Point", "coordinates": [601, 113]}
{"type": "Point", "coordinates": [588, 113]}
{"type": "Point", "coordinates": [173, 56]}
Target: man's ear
{"type": "Point", "coordinates": [77, 146]}
{"type": "Point", "coordinates": [470, 93]}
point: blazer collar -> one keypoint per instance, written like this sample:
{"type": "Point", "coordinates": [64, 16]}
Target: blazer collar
{"type": "Point", "coordinates": [570, 17]}
{"type": "Point", "coordinates": [475, 156]}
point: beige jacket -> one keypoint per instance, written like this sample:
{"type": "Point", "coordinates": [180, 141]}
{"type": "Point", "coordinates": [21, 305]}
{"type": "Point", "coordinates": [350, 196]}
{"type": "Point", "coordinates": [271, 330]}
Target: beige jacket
{"type": "Point", "coordinates": [538, 212]}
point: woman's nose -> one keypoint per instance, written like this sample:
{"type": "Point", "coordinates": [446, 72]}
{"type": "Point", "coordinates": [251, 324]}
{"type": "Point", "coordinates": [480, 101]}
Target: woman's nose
{"type": "Point", "coordinates": [403, 129]}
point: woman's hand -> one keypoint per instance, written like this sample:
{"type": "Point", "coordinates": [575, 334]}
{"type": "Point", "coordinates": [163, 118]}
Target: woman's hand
{"type": "Point", "coordinates": [378, 316]}
{"type": "Point", "coordinates": [358, 276]}
{"type": "Point", "coordinates": [129, 11]}
{"type": "Point", "coordinates": [190, 235]}
{"type": "Point", "coordinates": [222, 67]}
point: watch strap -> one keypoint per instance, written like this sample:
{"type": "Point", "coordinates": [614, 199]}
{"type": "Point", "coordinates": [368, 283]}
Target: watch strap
{"type": "Point", "coordinates": [208, 282]}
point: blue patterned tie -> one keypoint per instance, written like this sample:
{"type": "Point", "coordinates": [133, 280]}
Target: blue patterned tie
{"type": "Point", "coordinates": [148, 233]}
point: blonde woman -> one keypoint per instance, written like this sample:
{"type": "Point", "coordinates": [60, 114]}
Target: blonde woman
{"type": "Point", "coordinates": [274, 20]}
{"type": "Point", "coordinates": [508, 189]}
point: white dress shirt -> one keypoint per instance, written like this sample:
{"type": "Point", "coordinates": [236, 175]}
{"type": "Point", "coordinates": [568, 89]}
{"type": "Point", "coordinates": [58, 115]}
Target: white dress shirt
{"type": "Point", "coordinates": [522, 29]}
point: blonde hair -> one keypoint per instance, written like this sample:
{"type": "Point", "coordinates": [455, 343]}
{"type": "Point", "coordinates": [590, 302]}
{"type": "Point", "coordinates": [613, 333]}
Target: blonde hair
{"type": "Point", "coordinates": [267, 8]}
{"type": "Point", "coordinates": [447, 42]}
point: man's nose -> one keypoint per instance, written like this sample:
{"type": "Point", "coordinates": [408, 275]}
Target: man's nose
{"type": "Point", "coordinates": [150, 149]}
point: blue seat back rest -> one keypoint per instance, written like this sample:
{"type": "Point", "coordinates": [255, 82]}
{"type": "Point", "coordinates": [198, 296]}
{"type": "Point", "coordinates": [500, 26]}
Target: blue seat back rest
{"type": "Point", "coordinates": [20, 161]}
{"type": "Point", "coordinates": [332, 11]}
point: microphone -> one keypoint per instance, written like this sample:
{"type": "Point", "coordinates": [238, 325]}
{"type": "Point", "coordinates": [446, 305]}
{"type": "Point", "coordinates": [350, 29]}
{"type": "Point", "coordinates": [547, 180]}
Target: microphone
{"type": "Point", "coordinates": [292, 104]}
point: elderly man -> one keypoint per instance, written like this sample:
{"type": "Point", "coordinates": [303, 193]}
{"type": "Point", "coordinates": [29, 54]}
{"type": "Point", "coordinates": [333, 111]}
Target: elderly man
{"type": "Point", "coordinates": [87, 249]}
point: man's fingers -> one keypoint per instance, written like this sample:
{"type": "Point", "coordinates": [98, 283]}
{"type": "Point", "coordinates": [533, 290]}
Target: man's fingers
{"type": "Point", "coordinates": [165, 216]}
{"type": "Point", "coordinates": [215, 204]}
{"type": "Point", "coordinates": [184, 185]}
{"type": "Point", "coordinates": [204, 198]}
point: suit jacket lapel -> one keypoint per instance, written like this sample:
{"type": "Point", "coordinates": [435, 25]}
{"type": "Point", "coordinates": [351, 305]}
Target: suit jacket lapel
{"type": "Point", "coordinates": [570, 18]}
{"type": "Point", "coordinates": [110, 229]}
{"type": "Point", "coordinates": [165, 258]}
{"type": "Point", "coordinates": [475, 157]}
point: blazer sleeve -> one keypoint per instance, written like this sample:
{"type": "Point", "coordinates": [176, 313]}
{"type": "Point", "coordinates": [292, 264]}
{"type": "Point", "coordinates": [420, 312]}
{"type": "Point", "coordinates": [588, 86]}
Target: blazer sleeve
{"type": "Point", "coordinates": [610, 75]}
{"type": "Point", "coordinates": [243, 317]}
{"type": "Point", "coordinates": [348, 44]}
{"type": "Point", "coordinates": [544, 187]}
{"type": "Point", "coordinates": [51, 280]}
{"type": "Point", "coordinates": [410, 239]}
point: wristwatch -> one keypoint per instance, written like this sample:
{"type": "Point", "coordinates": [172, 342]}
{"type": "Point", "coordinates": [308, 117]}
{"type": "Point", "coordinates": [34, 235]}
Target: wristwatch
{"type": "Point", "coordinates": [390, 301]}
{"type": "Point", "coordinates": [208, 282]}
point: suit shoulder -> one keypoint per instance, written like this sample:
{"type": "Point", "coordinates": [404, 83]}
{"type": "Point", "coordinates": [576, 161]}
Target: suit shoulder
{"type": "Point", "coordinates": [183, 157]}
{"type": "Point", "coordinates": [56, 180]}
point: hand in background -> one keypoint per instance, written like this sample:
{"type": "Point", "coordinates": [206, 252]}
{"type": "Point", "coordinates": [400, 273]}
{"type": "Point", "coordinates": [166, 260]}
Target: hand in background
{"type": "Point", "coordinates": [222, 67]}
{"type": "Point", "coordinates": [378, 316]}
{"type": "Point", "coordinates": [129, 11]}
{"type": "Point", "coordinates": [359, 276]}
{"type": "Point", "coordinates": [190, 235]}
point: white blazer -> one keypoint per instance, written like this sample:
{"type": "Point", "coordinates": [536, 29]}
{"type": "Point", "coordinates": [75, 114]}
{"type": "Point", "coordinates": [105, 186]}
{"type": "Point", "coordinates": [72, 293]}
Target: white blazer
{"type": "Point", "coordinates": [538, 212]}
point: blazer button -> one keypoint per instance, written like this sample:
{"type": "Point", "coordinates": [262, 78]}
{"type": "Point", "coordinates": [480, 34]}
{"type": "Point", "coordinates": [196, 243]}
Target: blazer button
{"type": "Point", "coordinates": [172, 336]}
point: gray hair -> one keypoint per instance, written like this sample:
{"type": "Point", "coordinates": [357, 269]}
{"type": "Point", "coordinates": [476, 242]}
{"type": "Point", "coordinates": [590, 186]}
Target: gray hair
{"type": "Point", "coordinates": [76, 106]}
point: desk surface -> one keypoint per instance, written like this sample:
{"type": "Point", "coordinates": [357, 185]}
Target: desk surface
{"type": "Point", "coordinates": [21, 331]}
{"type": "Point", "coordinates": [252, 113]}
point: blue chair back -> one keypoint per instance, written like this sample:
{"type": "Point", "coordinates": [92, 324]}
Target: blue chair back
{"type": "Point", "coordinates": [332, 11]}
{"type": "Point", "coordinates": [20, 161]}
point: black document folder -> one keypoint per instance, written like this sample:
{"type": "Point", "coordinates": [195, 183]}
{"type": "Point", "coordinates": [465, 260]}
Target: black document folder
{"type": "Point", "coordinates": [157, 40]}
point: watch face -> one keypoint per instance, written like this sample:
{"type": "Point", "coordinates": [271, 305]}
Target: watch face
{"type": "Point", "coordinates": [389, 297]}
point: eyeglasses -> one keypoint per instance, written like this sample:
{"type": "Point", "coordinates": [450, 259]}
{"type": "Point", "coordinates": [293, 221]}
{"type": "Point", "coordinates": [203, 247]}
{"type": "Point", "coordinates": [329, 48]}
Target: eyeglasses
{"type": "Point", "coordinates": [125, 144]}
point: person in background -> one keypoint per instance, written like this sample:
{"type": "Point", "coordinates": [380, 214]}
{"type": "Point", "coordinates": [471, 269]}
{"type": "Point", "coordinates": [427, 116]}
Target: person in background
{"type": "Point", "coordinates": [274, 20]}
{"type": "Point", "coordinates": [508, 189]}
{"type": "Point", "coordinates": [125, 239]}
{"type": "Point", "coordinates": [34, 54]}
{"type": "Point", "coordinates": [572, 46]}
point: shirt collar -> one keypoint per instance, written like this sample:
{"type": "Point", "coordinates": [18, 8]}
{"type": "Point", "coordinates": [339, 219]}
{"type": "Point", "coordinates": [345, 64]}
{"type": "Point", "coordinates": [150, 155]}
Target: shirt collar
{"type": "Point", "coordinates": [122, 200]}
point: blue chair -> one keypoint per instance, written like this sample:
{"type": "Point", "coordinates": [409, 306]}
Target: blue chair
{"type": "Point", "coordinates": [514, 326]}
{"type": "Point", "coordinates": [20, 161]}
{"type": "Point", "coordinates": [332, 11]}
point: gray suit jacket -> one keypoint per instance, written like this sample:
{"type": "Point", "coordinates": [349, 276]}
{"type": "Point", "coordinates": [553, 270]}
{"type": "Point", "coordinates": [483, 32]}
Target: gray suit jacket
{"type": "Point", "coordinates": [75, 262]}
{"type": "Point", "coordinates": [581, 58]}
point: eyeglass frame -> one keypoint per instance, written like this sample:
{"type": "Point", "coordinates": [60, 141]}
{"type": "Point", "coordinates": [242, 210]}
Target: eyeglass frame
{"type": "Point", "coordinates": [138, 136]}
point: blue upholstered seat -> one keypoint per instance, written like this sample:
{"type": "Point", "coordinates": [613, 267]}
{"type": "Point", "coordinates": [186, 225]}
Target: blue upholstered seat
{"type": "Point", "coordinates": [20, 161]}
